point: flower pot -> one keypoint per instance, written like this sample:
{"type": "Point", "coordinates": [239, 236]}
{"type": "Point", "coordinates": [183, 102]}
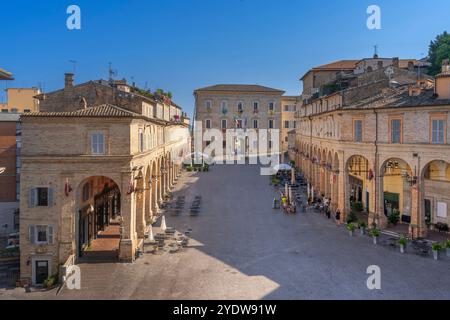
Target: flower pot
{"type": "Point", "coordinates": [375, 240]}
{"type": "Point", "coordinates": [448, 252]}
{"type": "Point", "coordinates": [402, 248]}
{"type": "Point", "coordinates": [363, 231]}
{"type": "Point", "coordinates": [436, 255]}
{"type": "Point", "coordinates": [351, 233]}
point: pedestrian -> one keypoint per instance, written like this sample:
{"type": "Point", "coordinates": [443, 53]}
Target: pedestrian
{"type": "Point", "coordinates": [328, 212]}
{"type": "Point", "coordinates": [338, 217]}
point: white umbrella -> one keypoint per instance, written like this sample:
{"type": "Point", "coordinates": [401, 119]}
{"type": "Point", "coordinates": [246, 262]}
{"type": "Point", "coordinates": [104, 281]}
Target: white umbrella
{"type": "Point", "coordinates": [282, 167]}
{"type": "Point", "coordinates": [151, 237]}
{"type": "Point", "coordinates": [163, 224]}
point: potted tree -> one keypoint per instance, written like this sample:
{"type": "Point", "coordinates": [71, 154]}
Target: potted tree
{"type": "Point", "coordinates": [447, 247]}
{"type": "Point", "coordinates": [402, 242]}
{"type": "Point", "coordinates": [437, 247]}
{"type": "Point", "coordinates": [362, 227]}
{"type": "Point", "coordinates": [375, 234]}
{"type": "Point", "coordinates": [351, 227]}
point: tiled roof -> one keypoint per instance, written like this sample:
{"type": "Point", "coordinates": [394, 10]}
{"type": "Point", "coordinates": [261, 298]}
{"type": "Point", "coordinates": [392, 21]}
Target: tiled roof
{"type": "Point", "coordinates": [240, 88]}
{"type": "Point", "coordinates": [5, 75]}
{"type": "Point", "coordinates": [105, 110]}
{"type": "Point", "coordinates": [335, 66]}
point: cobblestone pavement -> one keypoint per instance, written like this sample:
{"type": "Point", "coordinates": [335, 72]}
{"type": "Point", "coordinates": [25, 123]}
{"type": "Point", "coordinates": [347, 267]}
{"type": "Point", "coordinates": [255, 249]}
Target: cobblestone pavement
{"type": "Point", "coordinates": [242, 249]}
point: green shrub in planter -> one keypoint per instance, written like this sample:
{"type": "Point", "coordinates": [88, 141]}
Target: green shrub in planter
{"type": "Point", "coordinates": [352, 217]}
{"type": "Point", "coordinates": [362, 225]}
{"type": "Point", "coordinates": [436, 247]}
{"type": "Point", "coordinates": [403, 241]}
{"type": "Point", "coordinates": [357, 207]}
{"type": "Point", "coordinates": [375, 233]}
{"type": "Point", "coordinates": [394, 217]}
{"type": "Point", "coordinates": [189, 169]}
{"type": "Point", "coordinates": [51, 281]}
{"type": "Point", "coordinates": [351, 227]}
{"type": "Point", "coordinates": [447, 244]}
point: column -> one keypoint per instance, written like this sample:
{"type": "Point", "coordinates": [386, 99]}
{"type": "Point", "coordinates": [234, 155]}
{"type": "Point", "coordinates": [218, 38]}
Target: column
{"type": "Point", "coordinates": [128, 234]}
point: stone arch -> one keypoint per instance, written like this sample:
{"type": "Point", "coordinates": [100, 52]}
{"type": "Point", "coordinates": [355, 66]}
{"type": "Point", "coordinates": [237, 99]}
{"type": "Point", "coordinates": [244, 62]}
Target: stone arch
{"type": "Point", "coordinates": [99, 204]}
{"type": "Point", "coordinates": [396, 193]}
{"type": "Point", "coordinates": [359, 185]}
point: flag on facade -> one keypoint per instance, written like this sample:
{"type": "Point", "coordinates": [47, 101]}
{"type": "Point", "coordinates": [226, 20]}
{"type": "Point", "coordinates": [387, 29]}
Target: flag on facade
{"type": "Point", "coordinates": [67, 188]}
{"type": "Point", "coordinates": [130, 187]}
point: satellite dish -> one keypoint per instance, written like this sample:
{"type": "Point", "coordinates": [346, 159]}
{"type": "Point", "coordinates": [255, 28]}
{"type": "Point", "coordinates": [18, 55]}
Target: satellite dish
{"type": "Point", "coordinates": [2, 170]}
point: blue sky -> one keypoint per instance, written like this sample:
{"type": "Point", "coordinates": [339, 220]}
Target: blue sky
{"type": "Point", "coordinates": [181, 45]}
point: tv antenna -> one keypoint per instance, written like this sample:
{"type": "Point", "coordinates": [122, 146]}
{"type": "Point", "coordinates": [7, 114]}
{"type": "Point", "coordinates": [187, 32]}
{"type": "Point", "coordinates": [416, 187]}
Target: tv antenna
{"type": "Point", "coordinates": [74, 65]}
{"type": "Point", "coordinates": [112, 73]}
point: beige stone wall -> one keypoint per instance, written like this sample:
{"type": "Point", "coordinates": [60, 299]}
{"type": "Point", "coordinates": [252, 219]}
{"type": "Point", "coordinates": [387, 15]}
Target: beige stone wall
{"type": "Point", "coordinates": [54, 152]}
{"type": "Point", "coordinates": [216, 115]}
{"type": "Point", "coordinates": [332, 134]}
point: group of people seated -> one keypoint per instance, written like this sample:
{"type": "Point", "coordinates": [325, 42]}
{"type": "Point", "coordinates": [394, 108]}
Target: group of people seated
{"type": "Point", "coordinates": [290, 207]}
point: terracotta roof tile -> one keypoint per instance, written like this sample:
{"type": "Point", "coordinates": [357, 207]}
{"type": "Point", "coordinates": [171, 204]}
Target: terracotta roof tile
{"type": "Point", "coordinates": [105, 110]}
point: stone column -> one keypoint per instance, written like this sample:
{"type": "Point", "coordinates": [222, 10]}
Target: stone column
{"type": "Point", "coordinates": [418, 226]}
{"type": "Point", "coordinates": [127, 246]}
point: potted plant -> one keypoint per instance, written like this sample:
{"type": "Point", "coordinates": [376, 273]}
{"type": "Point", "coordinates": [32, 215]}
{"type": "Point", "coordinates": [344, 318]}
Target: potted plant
{"type": "Point", "coordinates": [394, 217]}
{"type": "Point", "coordinates": [436, 247]}
{"type": "Point", "coordinates": [362, 227]}
{"type": "Point", "coordinates": [351, 227]}
{"type": "Point", "coordinates": [447, 247]}
{"type": "Point", "coordinates": [402, 242]}
{"type": "Point", "coordinates": [375, 234]}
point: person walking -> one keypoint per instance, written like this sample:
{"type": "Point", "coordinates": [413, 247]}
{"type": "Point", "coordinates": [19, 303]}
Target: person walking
{"type": "Point", "coordinates": [328, 212]}
{"type": "Point", "coordinates": [338, 217]}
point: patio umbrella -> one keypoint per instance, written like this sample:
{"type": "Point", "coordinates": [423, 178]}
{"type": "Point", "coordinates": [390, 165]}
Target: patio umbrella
{"type": "Point", "coordinates": [151, 237]}
{"type": "Point", "coordinates": [293, 176]}
{"type": "Point", "coordinates": [163, 224]}
{"type": "Point", "coordinates": [282, 167]}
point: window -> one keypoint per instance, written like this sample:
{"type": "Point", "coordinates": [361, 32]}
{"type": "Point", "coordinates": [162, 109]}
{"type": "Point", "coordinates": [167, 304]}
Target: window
{"type": "Point", "coordinates": [208, 124]}
{"type": "Point", "coordinates": [40, 197]}
{"type": "Point", "coordinates": [255, 106]}
{"type": "Point", "coordinates": [271, 106]}
{"type": "Point", "coordinates": [286, 124]}
{"type": "Point", "coordinates": [271, 124]}
{"type": "Point", "coordinates": [239, 124]}
{"type": "Point", "coordinates": [98, 143]}
{"type": "Point", "coordinates": [438, 131]}
{"type": "Point", "coordinates": [255, 124]}
{"type": "Point", "coordinates": [208, 104]}
{"type": "Point", "coordinates": [41, 234]}
{"type": "Point", "coordinates": [14, 110]}
{"type": "Point", "coordinates": [141, 140]}
{"type": "Point", "coordinates": [224, 124]}
{"type": "Point", "coordinates": [26, 110]}
{"type": "Point", "coordinates": [224, 144]}
{"type": "Point", "coordinates": [357, 130]}
{"type": "Point", "coordinates": [4, 110]}
{"type": "Point", "coordinates": [396, 131]}
{"type": "Point", "coordinates": [240, 107]}
{"type": "Point", "coordinates": [286, 108]}
{"type": "Point", "coordinates": [224, 105]}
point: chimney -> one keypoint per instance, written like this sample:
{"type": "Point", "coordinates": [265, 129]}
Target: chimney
{"type": "Point", "coordinates": [68, 78]}
{"type": "Point", "coordinates": [415, 90]}
{"type": "Point", "coordinates": [396, 62]}
{"type": "Point", "coordinates": [445, 66]}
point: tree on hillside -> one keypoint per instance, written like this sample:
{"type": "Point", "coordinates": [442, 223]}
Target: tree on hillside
{"type": "Point", "coordinates": [439, 50]}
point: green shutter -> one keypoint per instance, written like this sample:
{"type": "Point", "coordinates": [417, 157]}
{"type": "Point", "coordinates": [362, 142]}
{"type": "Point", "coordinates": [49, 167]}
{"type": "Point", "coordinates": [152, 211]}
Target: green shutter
{"type": "Point", "coordinates": [50, 197]}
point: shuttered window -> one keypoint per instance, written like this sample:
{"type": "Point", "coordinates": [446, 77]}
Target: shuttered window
{"type": "Point", "coordinates": [40, 197]}
{"type": "Point", "coordinates": [41, 234]}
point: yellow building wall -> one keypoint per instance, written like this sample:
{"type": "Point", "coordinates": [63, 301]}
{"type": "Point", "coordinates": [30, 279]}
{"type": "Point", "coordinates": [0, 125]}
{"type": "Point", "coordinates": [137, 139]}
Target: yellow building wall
{"type": "Point", "coordinates": [22, 99]}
